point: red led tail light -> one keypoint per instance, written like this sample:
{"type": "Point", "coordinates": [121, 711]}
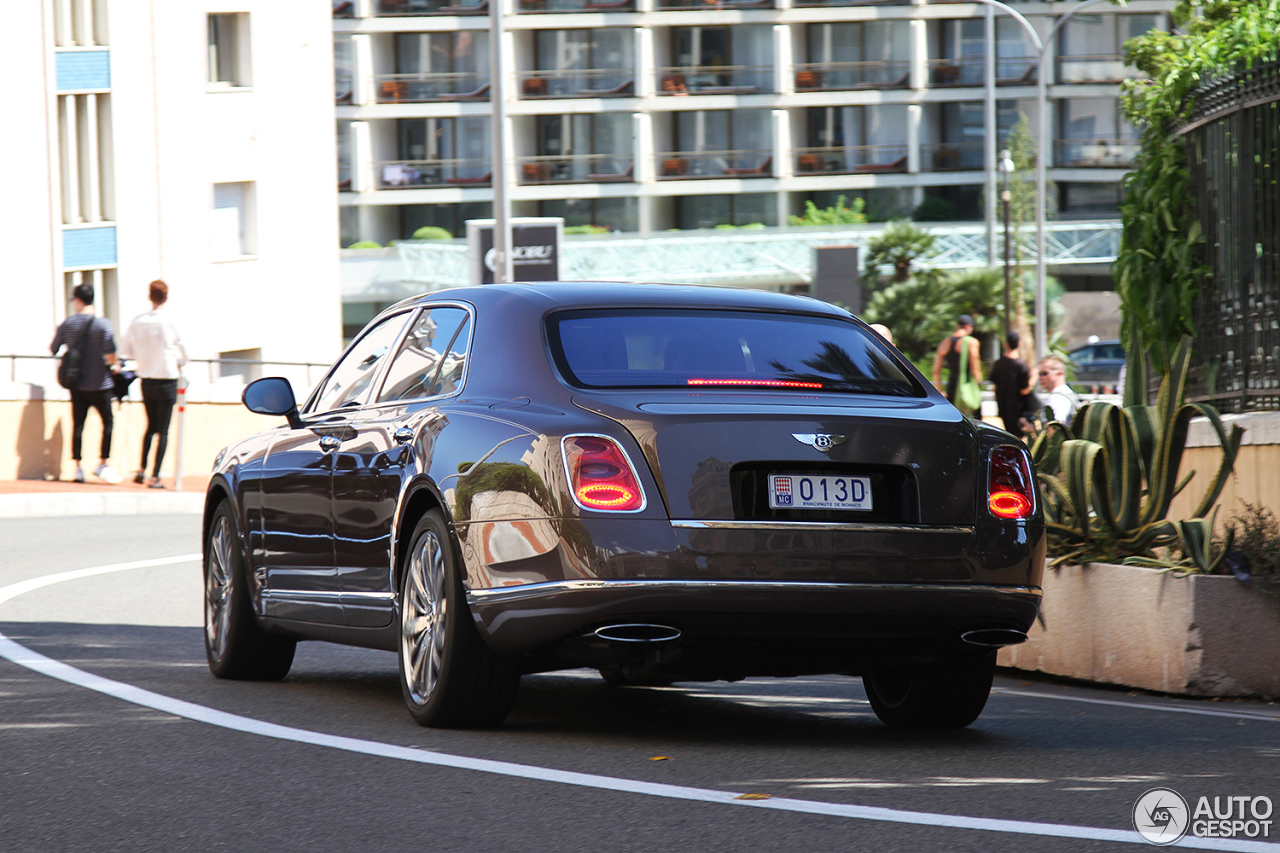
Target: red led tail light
{"type": "Point", "coordinates": [752, 383]}
{"type": "Point", "coordinates": [1010, 487]}
{"type": "Point", "coordinates": [600, 474]}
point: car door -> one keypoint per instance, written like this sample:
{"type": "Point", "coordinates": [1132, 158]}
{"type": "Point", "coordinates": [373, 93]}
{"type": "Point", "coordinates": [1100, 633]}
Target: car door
{"type": "Point", "coordinates": [298, 572]}
{"type": "Point", "coordinates": [371, 466]}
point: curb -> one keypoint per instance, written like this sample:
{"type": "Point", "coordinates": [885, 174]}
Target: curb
{"type": "Point", "coordinates": [111, 503]}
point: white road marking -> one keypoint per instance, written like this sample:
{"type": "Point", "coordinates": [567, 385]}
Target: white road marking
{"type": "Point", "coordinates": [1142, 706]}
{"type": "Point", "coordinates": [37, 662]}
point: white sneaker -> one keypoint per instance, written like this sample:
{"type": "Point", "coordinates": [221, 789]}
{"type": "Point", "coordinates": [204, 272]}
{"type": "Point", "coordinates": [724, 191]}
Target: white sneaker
{"type": "Point", "coordinates": [107, 474]}
{"type": "Point", "coordinates": [79, 475]}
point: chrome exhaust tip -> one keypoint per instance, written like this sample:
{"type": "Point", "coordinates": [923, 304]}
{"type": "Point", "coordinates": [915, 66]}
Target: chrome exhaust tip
{"type": "Point", "coordinates": [638, 632]}
{"type": "Point", "coordinates": [994, 637]}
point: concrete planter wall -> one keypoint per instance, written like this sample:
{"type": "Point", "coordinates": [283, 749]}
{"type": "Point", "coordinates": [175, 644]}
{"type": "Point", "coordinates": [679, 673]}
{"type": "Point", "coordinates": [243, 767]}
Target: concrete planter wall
{"type": "Point", "coordinates": [1201, 635]}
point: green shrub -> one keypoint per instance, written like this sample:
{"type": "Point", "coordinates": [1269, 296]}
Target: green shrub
{"type": "Point", "coordinates": [838, 214]}
{"type": "Point", "coordinates": [365, 244]}
{"type": "Point", "coordinates": [1108, 480]}
{"type": "Point", "coordinates": [431, 232]}
{"type": "Point", "coordinates": [586, 229]}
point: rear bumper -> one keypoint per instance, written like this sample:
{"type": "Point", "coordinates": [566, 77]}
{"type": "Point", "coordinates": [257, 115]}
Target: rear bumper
{"type": "Point", "coordinates": [728, 613]}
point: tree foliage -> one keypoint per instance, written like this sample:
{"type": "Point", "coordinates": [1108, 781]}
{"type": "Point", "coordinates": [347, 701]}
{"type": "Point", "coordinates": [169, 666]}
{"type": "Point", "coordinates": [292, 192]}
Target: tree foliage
{"type": "Point", "coordinates": [1159, 270]}
{"type": "Point", "coordinates": [922, 310]}
{"type": "Point", "coordinates": [899, 245]}
{"type": "Point", "coordinates": [840, 213]}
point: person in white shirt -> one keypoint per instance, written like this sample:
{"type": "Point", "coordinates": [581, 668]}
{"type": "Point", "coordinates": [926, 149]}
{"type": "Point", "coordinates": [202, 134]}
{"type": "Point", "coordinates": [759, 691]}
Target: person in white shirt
{"type": "Point", "coordinates": [153, 344]}
{"type": "Point", "coordinates": [1061, 399]}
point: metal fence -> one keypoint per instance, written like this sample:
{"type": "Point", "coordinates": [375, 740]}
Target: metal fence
{"type": "Point", "coordinates": [201, 373]}
{"type": "Point", "coordinates": [1233, 148]}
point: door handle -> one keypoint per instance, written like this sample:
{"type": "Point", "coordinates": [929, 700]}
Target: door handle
{"type": "Point", "coordinates": [329, 442]}
{"type": "Point", "coordinates": [403, 435]}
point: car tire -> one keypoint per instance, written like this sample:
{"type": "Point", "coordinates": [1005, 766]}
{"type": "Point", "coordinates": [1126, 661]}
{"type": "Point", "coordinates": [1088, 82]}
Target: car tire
{"type": "Point", "coordinates": [235, 644]}
{"type": "Point", "coordinates": [449, 677]}
{"type": "Point", "coordinates": [942, 696]}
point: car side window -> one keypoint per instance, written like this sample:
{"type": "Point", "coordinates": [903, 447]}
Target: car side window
{"type": "Point", "coordinates": [351, 377]}
{"type": "Point", "coordinates": [432, 358]}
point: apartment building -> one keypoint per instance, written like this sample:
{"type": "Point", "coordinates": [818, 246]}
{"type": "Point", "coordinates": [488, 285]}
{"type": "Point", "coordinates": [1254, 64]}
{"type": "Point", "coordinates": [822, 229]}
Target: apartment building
{"type": "Point", "coordinates": [648, 115]}
{"type": "Point", "coordinates": [185, 141]}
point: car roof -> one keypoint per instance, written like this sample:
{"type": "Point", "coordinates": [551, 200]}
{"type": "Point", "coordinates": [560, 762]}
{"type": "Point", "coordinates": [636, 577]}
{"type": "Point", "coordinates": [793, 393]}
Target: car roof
{"type": "Point", "coordinates": [545, 296]}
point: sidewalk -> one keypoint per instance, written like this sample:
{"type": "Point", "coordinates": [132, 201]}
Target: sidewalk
{"type": "Point", "coordinates": [43, 498]}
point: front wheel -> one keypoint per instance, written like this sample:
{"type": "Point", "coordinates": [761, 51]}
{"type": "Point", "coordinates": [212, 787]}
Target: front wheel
{"type": "Point", "coordinates": [449, 677]}
{"type": "Point", "coordinates": [947, 695]}
{"type": "Point", "coordinates": [234, 643]}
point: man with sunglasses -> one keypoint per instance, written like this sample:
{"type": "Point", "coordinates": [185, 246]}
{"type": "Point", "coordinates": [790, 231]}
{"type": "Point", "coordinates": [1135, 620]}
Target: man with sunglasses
{"type": "Point", "coordinates": [1059, 396]}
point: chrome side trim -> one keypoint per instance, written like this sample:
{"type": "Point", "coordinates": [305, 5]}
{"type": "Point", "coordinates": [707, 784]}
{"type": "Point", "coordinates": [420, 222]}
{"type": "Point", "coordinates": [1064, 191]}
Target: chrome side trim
{"type": "Point", "coordinates": [536, 590]}
{"type": "Point", "coordinates": [302, 595]}
{"type": "Point", "coordinates": [800, 526]}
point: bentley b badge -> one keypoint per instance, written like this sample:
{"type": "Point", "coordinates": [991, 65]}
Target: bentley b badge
{"type": "Point", "coordinates": [819, 441]}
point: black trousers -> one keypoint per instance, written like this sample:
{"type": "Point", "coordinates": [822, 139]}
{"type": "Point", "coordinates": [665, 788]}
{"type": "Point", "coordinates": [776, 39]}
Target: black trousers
{"type": "Point", "coordinates": [158, 395]}
{"type": "Point", "coordinates": [81, 402]}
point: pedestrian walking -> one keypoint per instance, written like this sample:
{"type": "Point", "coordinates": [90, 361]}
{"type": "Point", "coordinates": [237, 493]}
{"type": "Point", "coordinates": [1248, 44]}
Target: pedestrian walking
{"type": "Point", "coordinates": [1012, 381]}
{"type": "Point", "coordinates": [158, 355]}
{"type": "Point", "coordinates": [89, 357]}
{"type": "Point", "coordinates": [963, 360]}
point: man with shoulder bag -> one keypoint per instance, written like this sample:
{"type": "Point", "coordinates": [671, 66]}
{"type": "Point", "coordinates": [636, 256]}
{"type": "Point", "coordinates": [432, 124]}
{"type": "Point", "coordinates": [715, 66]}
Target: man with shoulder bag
{"type": "Point", "coordinates": [85, 371]}
{"type": "Point", "coordinates": [963, 359]}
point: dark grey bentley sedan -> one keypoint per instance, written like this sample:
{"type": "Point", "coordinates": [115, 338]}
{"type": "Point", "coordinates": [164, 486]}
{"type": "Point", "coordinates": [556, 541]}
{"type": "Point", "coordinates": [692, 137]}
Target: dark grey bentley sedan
{"type": "Point", "coordinates": [663, 483]}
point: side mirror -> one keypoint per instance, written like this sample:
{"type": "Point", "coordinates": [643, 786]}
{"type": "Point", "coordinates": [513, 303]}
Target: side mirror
{"type": "Point", "coordinates": [272, 395]}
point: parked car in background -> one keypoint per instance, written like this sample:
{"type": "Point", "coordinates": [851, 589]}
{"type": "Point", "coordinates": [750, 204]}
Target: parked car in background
{"type": "Point", "coordinates": [1097, 365]}
{"type": "Point", "coordinates": [663, 483]}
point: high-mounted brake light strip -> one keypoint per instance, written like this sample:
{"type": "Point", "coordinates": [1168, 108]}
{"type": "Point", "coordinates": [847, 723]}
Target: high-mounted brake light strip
{"type": "Point", "coordinates": [764, 383]}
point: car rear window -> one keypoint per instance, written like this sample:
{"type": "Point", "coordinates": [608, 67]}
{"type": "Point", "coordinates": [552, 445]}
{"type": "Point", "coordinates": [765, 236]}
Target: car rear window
{"type": "Point", "coordinates": [723, 349]}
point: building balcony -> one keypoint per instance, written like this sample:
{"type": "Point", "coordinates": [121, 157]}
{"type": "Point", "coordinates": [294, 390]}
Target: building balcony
{"type": "Point", "coordinates": [1096, 153]}
{"type": "Point", "coordinates": [410, 8]}
{"type": "Point", "coordinates": [552, 6]}
{"type": "Point", "coordinates": [952, 157]}
{"type": "Point", "coordinates": [575, 168]}
{"type": "Point", "coordinates": [669, 5]}
{"type": "Point", "coordinates": [1097, 68]}
{"type": "Point", "coordinates": [714, 79]}
{"type": "Point", "coordinates": [845, 76]}
{"type": "Point", "coordinates": [577, 83]}
{"type": "Point", "coordinates": [822, 4]}
{"type": "Point", "coordinates": [430, 87]}
{"type": "Point", "coordinates": [851, 160]}
{"type": "Point", "coordinates": [688, 165]}
{"type": "Point", "coordinates": [972, 70]}
{"type": "Point", "coordinates": [417, 174]}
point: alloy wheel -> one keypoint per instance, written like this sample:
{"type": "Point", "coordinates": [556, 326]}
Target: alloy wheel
{"type": "Point", "coordinates": [422, 619]}
{"type": "Point", "coordinates": [217, 588]}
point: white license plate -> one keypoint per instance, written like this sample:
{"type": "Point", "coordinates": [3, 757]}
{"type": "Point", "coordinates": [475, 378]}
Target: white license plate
{"type": "Point", "coordinates": [807, 491]}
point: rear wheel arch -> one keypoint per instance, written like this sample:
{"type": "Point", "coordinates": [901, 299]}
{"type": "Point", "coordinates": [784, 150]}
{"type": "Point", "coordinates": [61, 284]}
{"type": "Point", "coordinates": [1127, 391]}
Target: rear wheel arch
{"type": "Point", "coordinates": [417, 503]}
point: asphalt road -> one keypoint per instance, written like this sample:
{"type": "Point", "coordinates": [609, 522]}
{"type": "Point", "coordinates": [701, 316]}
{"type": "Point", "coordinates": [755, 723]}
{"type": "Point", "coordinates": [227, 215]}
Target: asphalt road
{"type": "Point", "coordinates": [329, 760]}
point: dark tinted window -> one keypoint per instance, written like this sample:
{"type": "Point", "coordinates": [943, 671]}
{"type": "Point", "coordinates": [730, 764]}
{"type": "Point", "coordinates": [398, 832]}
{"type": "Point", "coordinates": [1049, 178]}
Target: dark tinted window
{"type": "Point", "coordinates": [728, 349]}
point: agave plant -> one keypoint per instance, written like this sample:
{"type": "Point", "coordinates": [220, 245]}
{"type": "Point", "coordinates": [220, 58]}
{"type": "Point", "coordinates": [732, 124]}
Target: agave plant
{"type": "Point", "coordinates": [1108, 480]}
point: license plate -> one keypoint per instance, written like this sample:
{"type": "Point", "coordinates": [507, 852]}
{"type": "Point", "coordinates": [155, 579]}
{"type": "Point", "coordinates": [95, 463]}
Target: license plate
{"type": "Point", "coordinates": [807, 491]}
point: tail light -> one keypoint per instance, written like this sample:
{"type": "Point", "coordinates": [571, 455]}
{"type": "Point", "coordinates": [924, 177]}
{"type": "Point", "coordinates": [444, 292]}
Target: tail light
{"type": "Point", "coordinates": [1010, 488]}
{"type": "Point", "coordinates": [601, 476]}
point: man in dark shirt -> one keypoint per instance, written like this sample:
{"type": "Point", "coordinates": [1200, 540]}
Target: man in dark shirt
{"type": "Point", "coordinates": [1012, 381]}
{"type": "Point", "coordinates": [97, 346]}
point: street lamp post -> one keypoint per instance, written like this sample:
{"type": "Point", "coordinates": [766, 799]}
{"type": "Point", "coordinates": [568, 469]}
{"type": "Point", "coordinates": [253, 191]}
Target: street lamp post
{"type": "Point", "coordinates": [502, 267]}
{"type": "Point", "coordinates": [1043, 48]}
{"type": "Point", "coordinates": [1006, 171]}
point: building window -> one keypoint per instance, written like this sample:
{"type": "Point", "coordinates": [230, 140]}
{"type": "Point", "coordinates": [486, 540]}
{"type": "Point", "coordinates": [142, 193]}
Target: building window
{"type": "Point", "coordinates": [229, 51]}
{"type": "Point", "coordinates": [233, 221]}
{"type": "Point", "coordinates": [710, 211]}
